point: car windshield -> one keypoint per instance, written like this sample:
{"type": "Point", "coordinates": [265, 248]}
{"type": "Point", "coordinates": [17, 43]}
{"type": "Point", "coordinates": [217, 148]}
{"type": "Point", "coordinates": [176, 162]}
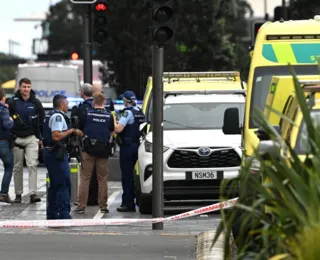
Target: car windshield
{"type": "Point", "coordinates": [197, 115]}
{"type": "Point", "coordinates": [302, 139]}
{"type": "Point", "coordinates": [262, 80]}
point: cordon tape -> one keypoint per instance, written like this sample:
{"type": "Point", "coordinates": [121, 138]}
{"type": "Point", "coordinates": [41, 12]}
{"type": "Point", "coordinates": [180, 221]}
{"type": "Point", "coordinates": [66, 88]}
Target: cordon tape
{"type": "Point", "coordinates": [109, 222]}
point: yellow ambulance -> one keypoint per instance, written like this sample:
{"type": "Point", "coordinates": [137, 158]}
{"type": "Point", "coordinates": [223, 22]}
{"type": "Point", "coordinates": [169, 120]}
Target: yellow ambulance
{"type": "Point", "coordinates": [277, 45]}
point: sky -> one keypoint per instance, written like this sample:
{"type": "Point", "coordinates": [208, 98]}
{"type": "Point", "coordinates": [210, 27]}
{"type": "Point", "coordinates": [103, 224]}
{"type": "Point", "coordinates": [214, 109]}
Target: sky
{"type": "Point", "coordinates": [21, 32]}
{"type": "Point", "coordinates": [24, 32]}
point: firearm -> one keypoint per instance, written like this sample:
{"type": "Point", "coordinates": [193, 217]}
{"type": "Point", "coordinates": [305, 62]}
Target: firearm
{"type": "Point", "coordinates": [75, 143]}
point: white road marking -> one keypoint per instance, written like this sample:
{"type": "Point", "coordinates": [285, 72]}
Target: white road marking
{"type": "Point", "coordinates": [111, 199]}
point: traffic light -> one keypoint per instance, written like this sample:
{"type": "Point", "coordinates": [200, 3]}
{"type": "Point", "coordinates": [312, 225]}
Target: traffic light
{"type": "Point", "coordinates": [162, 21]}
{"type": "Point", "coordinates": [74, 56]}
{"type": "Point", "coordinates": [255, 29]}
{"type": "Point", "coordinates": [100, 21]}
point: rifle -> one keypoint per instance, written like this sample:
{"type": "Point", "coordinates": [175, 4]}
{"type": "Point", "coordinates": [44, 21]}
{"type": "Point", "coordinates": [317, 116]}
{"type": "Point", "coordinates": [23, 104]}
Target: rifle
{"type": "Point", "coordinates": [75, 143]}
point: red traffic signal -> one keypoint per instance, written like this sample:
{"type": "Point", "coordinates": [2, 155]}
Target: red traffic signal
{"type": "Point", "coordinates": [101, 7]}
{"type": "Point", "coordinates": [74, 56]}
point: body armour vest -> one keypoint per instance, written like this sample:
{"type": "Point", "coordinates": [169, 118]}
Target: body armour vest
{"type": "Point", "coordinates": [27, 111]}
{"type": "Point", "coordinates": [88, 103]}
{"type": "Point", "coordinates": [97, 125]}
{"type": "Point", "coordinates": [131, 133]}
{"type": "Point", "coordinates": [47, 135]}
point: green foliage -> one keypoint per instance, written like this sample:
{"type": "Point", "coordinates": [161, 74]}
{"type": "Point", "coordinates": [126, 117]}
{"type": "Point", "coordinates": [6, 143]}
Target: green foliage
{"type": "Point", "coordinates": [209, 31]}
{"type": "Point", "coordinates": [304, 9]}
{"type": "Point", "coordinates": [6, 72]}
{"type": "Point", "coordinates": [278, 210]}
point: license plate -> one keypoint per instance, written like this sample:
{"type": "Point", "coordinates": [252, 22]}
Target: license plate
{"type": "Point", "coordinates": [204, 175]}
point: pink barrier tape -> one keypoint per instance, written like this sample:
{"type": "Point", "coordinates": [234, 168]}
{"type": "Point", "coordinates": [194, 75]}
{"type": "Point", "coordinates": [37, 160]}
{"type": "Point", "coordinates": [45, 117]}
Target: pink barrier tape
{"type": "Point", "coordinates": [110, 222]}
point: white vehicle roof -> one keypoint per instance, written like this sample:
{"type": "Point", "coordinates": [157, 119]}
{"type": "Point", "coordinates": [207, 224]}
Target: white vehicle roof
{"type": "Point", "coordinates": [47, 64]}
{"type": "Point", "coordinates": [205, 98]}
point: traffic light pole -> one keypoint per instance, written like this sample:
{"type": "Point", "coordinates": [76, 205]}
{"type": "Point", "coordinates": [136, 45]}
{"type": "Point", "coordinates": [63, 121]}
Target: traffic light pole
{"type": "Point", "coordinates": [87, 46]}
{"type": "Point", "coordinates": [157, 135]}
{"type": "Point", "coordinates": [284, 10]}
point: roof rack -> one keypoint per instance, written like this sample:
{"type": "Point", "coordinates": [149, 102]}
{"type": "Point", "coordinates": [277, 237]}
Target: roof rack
{"type": "Point", "coordinates": [205, 74]}
{"type": "Point", "coordinates": [231, 91]}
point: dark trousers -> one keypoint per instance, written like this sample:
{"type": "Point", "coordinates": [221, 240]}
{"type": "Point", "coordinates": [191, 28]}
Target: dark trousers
{"type": "Point", "coordinates": [128, 159]}
{"type": "Point", "coordinates": [6, 155]}
{"type": "Point", "coordinates": [59, 191]}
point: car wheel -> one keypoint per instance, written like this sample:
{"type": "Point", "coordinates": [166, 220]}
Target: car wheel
{"type": "Point", "coordinates": [145, 204]}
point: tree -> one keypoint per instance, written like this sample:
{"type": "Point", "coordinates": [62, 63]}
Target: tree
{"type": "Point", "coordinates": [65, 27]}
{"type": "Point", "coordinates": [304, 9]}
{"type": "Point", "coordinates": [208, 37]}
{"type": "Point", "coordinates": [6, 72]}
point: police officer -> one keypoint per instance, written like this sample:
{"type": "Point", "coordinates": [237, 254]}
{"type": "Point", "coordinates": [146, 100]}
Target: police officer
{"type": "Point", "coordinates": [28, 115]}
{"type": "Point", "coordinates": [99, 125]}
{"type": "Point", "coordinates": [56, 129]}
{"type": "Point", "coordinates": [86, 92]}
{"type": "Point", "coordinates": [6, 154]}
{"type": "Point", "coordinates": [128, 139]}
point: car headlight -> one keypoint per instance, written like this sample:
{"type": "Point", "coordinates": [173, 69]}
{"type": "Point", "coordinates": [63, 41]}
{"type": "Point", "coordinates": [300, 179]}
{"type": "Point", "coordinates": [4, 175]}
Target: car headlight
{"type": "Point", "coordinates": [148, 147]}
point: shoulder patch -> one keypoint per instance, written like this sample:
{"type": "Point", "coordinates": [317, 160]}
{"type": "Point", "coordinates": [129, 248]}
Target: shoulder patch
{"type": "Point", "coordinates": [125, 114]}
{"type": "Point", "coordinates": [58, 118]}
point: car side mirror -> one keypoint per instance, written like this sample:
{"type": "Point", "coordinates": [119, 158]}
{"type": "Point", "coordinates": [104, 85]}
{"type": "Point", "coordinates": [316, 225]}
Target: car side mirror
{"type": "Point", "coordinates": [264, 136]}
{"type": "Point", "coordinates": [231, 121]}
{"type": "Point", "coordinates": [269, 148]}
{"type": "Point", "coordinates": [143, 128]}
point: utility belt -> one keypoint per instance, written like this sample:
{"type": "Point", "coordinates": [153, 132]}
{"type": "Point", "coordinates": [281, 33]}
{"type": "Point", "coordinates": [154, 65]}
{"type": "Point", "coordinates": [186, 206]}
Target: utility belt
{"type": "Point", "coordinates": [96, 148]}
{"type": "Point", "coordinates": [60, 150]}
{"type": "Point", "coordinates": [126, 140]}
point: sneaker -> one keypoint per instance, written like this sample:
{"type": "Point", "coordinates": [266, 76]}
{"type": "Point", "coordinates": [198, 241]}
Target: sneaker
{"type": "Point", "coordinates": [6, 198]}
{"type": "Point", "coordinates": [104, 210]}
{"type": "Point", "coordinates": [79, 210]}
{"type": "Point", "coordinates": [18, 199]}
{"type": "Point", "coordinates": [34, 198]}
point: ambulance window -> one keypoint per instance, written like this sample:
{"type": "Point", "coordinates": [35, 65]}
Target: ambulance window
{"type": "Point", "coordinates": [261, 84]}
{"type": "Point", "coordinates": [302, 146]}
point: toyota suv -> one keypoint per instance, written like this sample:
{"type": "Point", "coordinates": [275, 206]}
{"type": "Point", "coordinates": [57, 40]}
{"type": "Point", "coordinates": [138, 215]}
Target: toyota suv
{"type": "Point", "coordinates": [197, 155]}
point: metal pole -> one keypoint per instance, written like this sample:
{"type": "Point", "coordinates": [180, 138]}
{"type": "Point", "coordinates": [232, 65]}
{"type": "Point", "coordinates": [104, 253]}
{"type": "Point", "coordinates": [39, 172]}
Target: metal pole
{"type": "Point", "coordinates": [157, 136]}
{"type": "Point", "coordinates": [284, 10]}
{"type": "Point", "coordinates": [87, 55]}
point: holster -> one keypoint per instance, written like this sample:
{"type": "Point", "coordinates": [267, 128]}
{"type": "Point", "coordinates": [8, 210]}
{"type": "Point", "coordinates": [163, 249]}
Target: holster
{"type": "Point", "coordinates": [96, 148]}
{"type": "Point", "coordinates": [60, 150]}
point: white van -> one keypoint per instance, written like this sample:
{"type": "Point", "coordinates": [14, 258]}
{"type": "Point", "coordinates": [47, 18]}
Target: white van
{"type": "Point", "coordinates": [49, 79]}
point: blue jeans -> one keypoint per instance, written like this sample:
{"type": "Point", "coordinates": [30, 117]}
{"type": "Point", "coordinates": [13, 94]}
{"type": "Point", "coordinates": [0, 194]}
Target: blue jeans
{"type": "Point", "coordinates": [60, 186]}
{"type": "Point", "coordinates": [6, 155]}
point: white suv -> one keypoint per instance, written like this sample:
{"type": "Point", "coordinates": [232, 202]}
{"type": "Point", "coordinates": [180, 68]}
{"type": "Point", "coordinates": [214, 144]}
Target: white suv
{"type": "Point", "coordinates": [197, 155]}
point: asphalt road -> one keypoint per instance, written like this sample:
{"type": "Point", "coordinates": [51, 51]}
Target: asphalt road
{"type": "Point", "coordinates": [96, 247]}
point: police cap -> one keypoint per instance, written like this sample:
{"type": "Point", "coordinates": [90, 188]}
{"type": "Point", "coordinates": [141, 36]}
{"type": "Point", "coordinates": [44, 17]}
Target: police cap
{"type": "Point", "coordinates": [128, 95]}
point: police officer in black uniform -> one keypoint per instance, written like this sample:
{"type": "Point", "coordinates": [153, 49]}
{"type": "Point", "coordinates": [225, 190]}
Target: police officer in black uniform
{"type": "Point", "coordinates": [98, 127]}
{"type": "Point", "coordinates": [56, 130]}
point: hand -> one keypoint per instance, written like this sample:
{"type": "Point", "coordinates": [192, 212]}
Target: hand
{"type": "Point", "coordinates": [41, 144]}
{"type": "Point", "coordinates": [78, 132]}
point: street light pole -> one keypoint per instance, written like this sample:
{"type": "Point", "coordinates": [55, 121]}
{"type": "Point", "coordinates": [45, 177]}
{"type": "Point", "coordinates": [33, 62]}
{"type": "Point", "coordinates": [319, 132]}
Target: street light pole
{"type": "Point", "coordinates": [284, 10]}
{"type": "Point", "coordinates": [157, 135]}
{"type": "Point", "coordinates": [87, 46]}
